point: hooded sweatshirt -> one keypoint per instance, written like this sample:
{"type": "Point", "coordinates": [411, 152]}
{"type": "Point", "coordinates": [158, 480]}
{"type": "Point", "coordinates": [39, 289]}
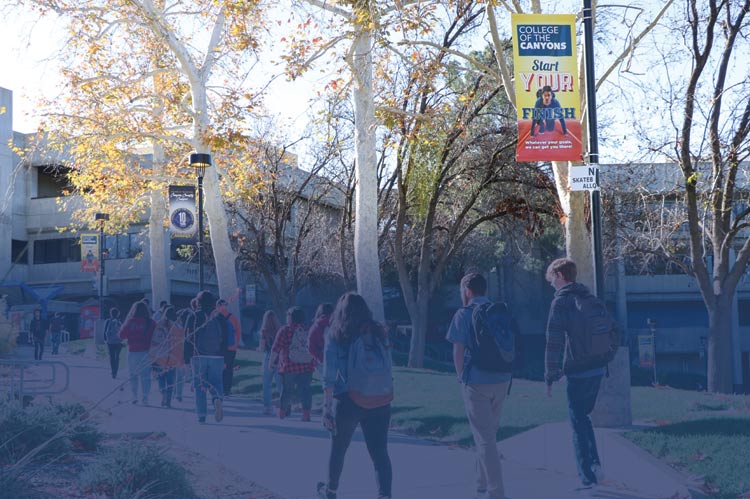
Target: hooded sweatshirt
{"type": "Point", "coordinates": [560, 323]}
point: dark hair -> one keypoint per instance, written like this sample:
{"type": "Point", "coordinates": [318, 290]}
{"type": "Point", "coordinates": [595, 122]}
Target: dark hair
{"type": "Point", "coordinates": [566, 267]}
{"type": "Point", "coordinates": [193, 304]}
{"type": "Point", "coordinates": [163, 303]}
{"type": "Point", "coordinates": [206, 300]}
{"type": "Point", "coordinates": [475, 282]}
{"type": "Point", "coordinates": [324, 309]}
{"type": "Point", "coordinates": [114, 312]}
{"type": "Point", "coordinates": [296, 315]}
{"type": "Point", "coordinates": [221, 301]}
{"type": "Point", "coordinates": [170, 313]}
{"type": "Point", "coordinates": [139, 309]}
{"type": "Point", "coordinates": [351, 318]}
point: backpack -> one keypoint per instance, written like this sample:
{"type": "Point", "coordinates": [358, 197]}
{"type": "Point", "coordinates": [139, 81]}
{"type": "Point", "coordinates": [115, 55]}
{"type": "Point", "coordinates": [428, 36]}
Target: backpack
{"type": "Point", "coordinates": [493, 345]}
{"type": "Point", "coordinates": [595, 337]}
{"type": "Point", "coordinates": [111, 328]}
{"type": "Point", "coordinates": [299, 348]}
{"type": "Point", "coordinates": [369, 373]}
{"type": "Point", "coordinates": [212, 336]}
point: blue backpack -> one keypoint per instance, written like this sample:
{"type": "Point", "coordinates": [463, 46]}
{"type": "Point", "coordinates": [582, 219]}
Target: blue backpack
{"type": "Point", "coordinates": [493, 346]}
{"type": "Point", "coordinates": [369, 372]}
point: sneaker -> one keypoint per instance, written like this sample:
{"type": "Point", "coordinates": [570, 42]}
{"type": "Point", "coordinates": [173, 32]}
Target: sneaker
{"type": "Point", "coordinates": [135, 401]}
{"type": "Point", "coordinates": [481, 494]}
{"type": "Point", "coordinates": [202, 419]}
{"type": "Point", "coordinates": [324, 493]}
{"type": "Point", "coordinates": [218, 410]}
{"type": "Point", "coordinates": [596, 469]}
{"type": "Point", "coordinates": [306, 416]}
{"type": "Point", "coordinates": [267, 411]}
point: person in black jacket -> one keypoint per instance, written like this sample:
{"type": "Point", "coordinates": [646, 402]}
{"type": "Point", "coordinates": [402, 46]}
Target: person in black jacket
{"type": "Point", "coordinates": [38, 330]}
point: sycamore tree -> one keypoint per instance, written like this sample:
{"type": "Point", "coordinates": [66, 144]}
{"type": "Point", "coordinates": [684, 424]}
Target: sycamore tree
{"type": "Point", "coordinates": [693, 218]}
{"type": "Point", "coordinates": [162, 79]}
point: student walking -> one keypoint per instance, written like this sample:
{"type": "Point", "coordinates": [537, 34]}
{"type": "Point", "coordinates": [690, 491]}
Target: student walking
{"type": "Point", "coordinates": [358, 388]}
{"type": "Point", "coordinates": [56, 326]}
{"type": "Point", "coordinates": [268, 330]}
{"type": "Point", "coordinates": [483, 385]}
{"type": "Point", "coordinates": [572, 350]}
{"type": "Point", "coordinates": [38, 333]}
{"type": "Point", "coordinates": [112, 339]}
{"type": "Point", "coordinates": [222, 307]}
{"type": "Point", "coordinates": [291, 353]}
{"type": "Point", "coordinates": [316, 336]}
{"type": "Point", "coordinates": [138, 330]}
{"type": "Point", "coordinates": [167, 353]}
{"type": "Point", "coordinates": [208, 336]}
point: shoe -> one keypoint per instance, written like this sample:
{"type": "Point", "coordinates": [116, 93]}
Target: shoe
{"type": "Point", "coordinates": [163, 399]}
{"type": "Point", "coordinates": [596, 469]}
{"type": "Point", "coordinates": [179, 398]}
{"type": "Point", "coordinates": [144, 401]}
{"type": "Point", "coordinates": [135, 401]}
{"type": "Point", "coordinates": [218, 410]}
{"type": "Point", "coordinates": [282, 414]}
{"type": "Point", "coordinates": [306, 416]}
{"type": "Point", "coordinates": [324, 493]}
{"type": "Point", "coordinates": [481, 494]}
{"type": "Point", "coordinates": [202, 419]}
{"type": "Point", "coordinates": [267, 411]}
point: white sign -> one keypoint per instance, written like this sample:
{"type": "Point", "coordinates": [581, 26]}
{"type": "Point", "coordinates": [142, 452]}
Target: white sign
{"type": "Point", "coordinates": [584, 178]}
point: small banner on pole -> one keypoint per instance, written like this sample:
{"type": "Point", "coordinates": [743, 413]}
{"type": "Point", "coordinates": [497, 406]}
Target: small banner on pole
{"type": "Point", "coordinates": [182, 212]}
{"type": "Point", "coordinates": [584, 178]}
{"type": "Point", "coordinates": [646, 351]}
{"type": "Point", "coordinates": [547, 95]}
{"type": "Point", "coordinates": [89, 252]}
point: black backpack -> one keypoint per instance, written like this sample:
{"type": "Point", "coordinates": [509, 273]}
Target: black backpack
{"type": "Point", "coordinates": [493, 345]}
{"type": "Point", "coordinates": [594, 336]}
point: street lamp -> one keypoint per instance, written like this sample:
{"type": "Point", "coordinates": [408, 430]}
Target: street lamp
{"type": "Point", "coordinates": [652, 327]}
{"type": "Point", "coordinates": [200, 161]}
{"type": "Point", "coordinates": [100, 219]}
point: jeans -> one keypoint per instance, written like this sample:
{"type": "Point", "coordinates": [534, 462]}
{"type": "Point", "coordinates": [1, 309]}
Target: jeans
{"type": "Point", "coordinates": [55, 340]}
{"type": "Point", "coordinates": [179, 380]}
{"type": "Point", "coordinates": [296, 382]}
{"type": "Point", "coordinates": [114, 357]}
{"type": "Point", "coordinates": [484, 404]}
{"type": "Point", "coordinates": [375, 423]}
{"type": "Point", "coordinates": [38, 348]}
{"type": "Point", "coordinates": [269, 376]}
{"type": "Point", "coordinates": [228, 376]}
{"type": "Point", "coordinates": [139, 366]}
{"type": "Point", "coordinates": [207, 377]}
{"type": "Point", "coordinates": [582, 394]}
{"type": "Point", "coordinates": [166, 382]}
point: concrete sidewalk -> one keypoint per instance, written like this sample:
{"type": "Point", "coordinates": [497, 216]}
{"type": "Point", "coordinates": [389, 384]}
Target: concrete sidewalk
{"type": "Point", "coordinates": [289, 457]}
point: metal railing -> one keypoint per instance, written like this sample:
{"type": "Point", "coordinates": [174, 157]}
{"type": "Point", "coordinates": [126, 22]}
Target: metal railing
{"type": "Point", "coordinates": [19, 378]}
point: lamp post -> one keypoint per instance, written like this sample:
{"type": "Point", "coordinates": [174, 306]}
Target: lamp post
{"type": "Point", "coordinates": [652, 327]}
{"type": "Point", "coordinates": [100, 219]}
{"type": "Point", "coordinates": [200, 161]}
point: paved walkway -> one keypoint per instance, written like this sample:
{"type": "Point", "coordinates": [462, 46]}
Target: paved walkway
{"type": "Point", "coordinates": [288, 457]}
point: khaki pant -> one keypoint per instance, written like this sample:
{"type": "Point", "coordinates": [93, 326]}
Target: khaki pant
{"type": "Point", "coordinates": [484, 404]}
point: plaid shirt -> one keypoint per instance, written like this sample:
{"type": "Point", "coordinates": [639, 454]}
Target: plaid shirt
{"type": "Point", "coordinates": [281, 348]}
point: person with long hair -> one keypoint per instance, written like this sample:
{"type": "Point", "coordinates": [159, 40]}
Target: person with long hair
{"type": "Point", "coordinates": [268, 329]}
{"type": "Point", "coordinates": [353, 327]}
{"type": "Point", "coordinates": [167, 352]}
{"type": "Point", "coordinates": [138, 330]}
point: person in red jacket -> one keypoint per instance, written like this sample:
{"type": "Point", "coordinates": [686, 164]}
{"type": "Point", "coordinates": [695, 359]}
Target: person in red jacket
{"type": "Point", "coordinates": [316, 335]}
{"type": "Point", "coordinates": [138, 330]}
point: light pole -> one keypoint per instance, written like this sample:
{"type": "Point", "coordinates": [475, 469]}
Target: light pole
{"type": "Point", "coordinates": [100, 219]}
{"type": "Point", "coordinates": [200, 162]}
{"type": "Point", "coordinates": [652, 327]}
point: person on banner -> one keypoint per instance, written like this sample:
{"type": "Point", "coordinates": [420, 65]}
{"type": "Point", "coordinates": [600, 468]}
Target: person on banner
{"type": "Point", "coordinates": [546, 110]}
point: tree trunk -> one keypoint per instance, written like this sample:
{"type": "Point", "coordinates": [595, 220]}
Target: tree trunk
{"type": "Point", "coordinates": [720, 346]}
{"type": "Point", "coordinates": [366, 258]}
{"type": "Point", "coordinates": [160, 289]}
{"type": "Point", "coordinates": [418, 315]}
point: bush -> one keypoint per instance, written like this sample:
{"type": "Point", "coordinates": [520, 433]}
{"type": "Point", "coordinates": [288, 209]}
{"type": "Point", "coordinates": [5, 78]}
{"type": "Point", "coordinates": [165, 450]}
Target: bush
{"type": "Point", "coordinates": [133, 469]}
{"type": "Point", "coordinates": [23, 430]}
{"type": "Point", "coordinates": [15, 485]}
{"type": "Point", "coordinates": [683, 381]}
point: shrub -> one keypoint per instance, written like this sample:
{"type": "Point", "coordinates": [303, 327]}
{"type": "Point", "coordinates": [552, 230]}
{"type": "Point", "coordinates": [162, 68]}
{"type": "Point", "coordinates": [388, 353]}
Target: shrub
{"type": "Point", "coordinates": [134, 469]}
{"type": "Point", "coordinates": [21, 431]}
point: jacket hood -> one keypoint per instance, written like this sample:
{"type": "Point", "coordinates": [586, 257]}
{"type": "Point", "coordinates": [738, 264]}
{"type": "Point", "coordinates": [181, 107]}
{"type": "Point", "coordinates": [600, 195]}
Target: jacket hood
{"type": "Point", "coordinates": [573, 289]}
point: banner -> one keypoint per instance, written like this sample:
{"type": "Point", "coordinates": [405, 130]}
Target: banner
{"type": "Point", "coordinates": [547, 95]}
{"type": "Point", "coordinates": [89, 252]}
{"type": "Point", "coordinates": [182, 218]}
{"type": "Point", "coordinates": [646, 351]}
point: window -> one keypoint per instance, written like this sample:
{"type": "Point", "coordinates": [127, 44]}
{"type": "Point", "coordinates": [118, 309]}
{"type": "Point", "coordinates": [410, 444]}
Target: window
{"type": "Point", "coordinates": [52, 180]}
{"type": "Point", "coordinates": [19, 252]}
{"type": "Point", "coordinates": [121, 246]}
{"type": "Point", "coordinates": [57, 250]}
